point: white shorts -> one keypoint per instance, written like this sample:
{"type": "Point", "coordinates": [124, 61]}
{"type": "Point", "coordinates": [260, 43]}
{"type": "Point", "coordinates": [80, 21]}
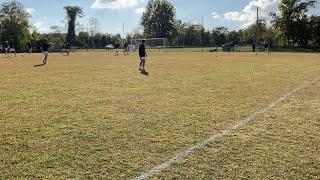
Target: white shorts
{"type": "Point", "coordinates": [143, 58]}
{"type": "Point", "coordinates": [12, 50]}
{"type": "Point", "coordinates": [45, 53]}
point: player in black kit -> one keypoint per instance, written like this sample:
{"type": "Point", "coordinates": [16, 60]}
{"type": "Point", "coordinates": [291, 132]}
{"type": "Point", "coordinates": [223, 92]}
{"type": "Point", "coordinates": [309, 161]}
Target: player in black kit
{"type": "Point", "coordinates": [45, 50]}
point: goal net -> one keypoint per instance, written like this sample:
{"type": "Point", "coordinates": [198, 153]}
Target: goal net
{"type": "Point", "coordinates": [151, 43]}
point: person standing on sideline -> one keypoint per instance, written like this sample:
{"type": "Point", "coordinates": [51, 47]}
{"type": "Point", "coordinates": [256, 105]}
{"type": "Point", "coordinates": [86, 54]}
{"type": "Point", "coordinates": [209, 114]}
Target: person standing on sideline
{"type": "Point", "coordinates": [12, 48]}
{"type": "Point", "coordinates": [116, 53]}
{"type": "Point", "coordinates": [6, 48]}
{"type": "Point", "coordinates": [143, 56]}
{"type": "Point", "coordinates": [266, 47]}
{"type": "Point", "coordinates": [126, 49]}
{"type": "Point", "coordinates": [253, 47]}
{"type": "Point", "coordinates": [65, 48]}
{"type": "Point", "coordinates": [29, 47]}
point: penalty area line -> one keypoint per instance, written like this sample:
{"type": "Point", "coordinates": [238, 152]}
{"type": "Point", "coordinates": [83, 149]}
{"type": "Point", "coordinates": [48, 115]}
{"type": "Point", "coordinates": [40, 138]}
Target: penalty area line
{"type": "Point", "coordinates": [184, 154]}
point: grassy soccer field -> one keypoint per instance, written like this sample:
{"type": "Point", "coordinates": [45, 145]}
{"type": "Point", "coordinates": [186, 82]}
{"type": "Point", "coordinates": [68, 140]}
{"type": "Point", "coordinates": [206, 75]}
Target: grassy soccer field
{"type": "Point", "coordinates": [94, 116]}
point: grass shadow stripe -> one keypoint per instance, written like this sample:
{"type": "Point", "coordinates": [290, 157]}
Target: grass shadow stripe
{"type": "Point", "coordinates": [184, 154]}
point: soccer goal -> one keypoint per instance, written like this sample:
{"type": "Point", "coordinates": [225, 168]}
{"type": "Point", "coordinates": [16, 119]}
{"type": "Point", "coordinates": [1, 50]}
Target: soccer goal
{"type": "Point", "coordinates": [159, 44]}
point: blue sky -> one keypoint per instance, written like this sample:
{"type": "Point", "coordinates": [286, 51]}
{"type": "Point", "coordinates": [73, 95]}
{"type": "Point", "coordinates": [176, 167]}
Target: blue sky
{"type": "Point", "coordinates": [234, 14]}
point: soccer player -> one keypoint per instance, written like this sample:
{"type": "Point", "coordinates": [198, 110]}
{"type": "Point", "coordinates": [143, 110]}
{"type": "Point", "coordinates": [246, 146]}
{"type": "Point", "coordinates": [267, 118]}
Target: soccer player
{"type": "Point", "coordinates": [6, 48]}
{"type": "Point", "coordinates": [143, 55]}
{"type": "Point", "coordinates": [30, 47]}
{"type": "Point", "coordinates": [45, 50]}
{"type": "Point", "coordinates": [253, 47]}
{"type": "Point", "coordinates": [12, 48]}
{"type": "Point", "coordinates": [232, 47]}
{"type": "Point", "coordinates": [116, 53]}
{"type": "Point", "coordinates": [66, 48]}
{"type": "Point", "coordinates": [266, 47]}
{"type": "Point", "coordinates": [126, 49]}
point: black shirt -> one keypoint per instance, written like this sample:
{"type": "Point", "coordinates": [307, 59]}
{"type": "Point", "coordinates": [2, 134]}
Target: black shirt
{"type": "Point", "coordinates": [45, 46]}
{"type": "Point", "coordinates": [142, 50]}
{"type": "Point", "coordinates": [11, 44]}
{"type": "Point", "coordinates": [125, 45]}
{"type": "Point", "coordinates": [116, 46]}
{"type": "Point", "coordinates": [29, 45]}
{"type": "Point", "coordinates": [66, 45]}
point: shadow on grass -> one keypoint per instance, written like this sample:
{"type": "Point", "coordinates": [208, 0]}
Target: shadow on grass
{"type": "Point", "coordinates": [39, 65]}
{"type": "Point", "coordinates": [145, 73]}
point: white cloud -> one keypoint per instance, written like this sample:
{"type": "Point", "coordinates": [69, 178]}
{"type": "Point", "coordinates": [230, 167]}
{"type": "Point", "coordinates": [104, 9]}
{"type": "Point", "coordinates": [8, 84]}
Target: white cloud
{"type": "Point", "coordinates": [115, 4]}
{"type": "Point", "coordinates": [30, 10]}
{"type": "Point", "coordinates": [40, 27]}
{"type": "Point", "coordinates": [195, 23]}
{"type": "Point", "coordinates": [140, 10]}
{"type": "Point", "coordinates": [249, 13]}
{"type": "Point", "coordinates": [215, 15]}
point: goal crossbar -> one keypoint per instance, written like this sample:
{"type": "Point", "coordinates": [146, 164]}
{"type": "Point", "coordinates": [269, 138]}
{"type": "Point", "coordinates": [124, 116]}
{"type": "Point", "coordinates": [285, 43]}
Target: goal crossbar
{"type": "Point", "coordinates": [157, 43]}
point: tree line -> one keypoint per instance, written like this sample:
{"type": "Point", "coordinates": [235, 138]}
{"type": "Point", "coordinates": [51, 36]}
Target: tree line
{"type": "Point", "coordinates": [293, 26]}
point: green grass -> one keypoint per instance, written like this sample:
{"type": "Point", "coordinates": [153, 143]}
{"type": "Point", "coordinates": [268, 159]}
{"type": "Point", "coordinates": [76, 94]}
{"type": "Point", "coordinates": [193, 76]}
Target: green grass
{"type": "Point", "coordinates": [94, 116]}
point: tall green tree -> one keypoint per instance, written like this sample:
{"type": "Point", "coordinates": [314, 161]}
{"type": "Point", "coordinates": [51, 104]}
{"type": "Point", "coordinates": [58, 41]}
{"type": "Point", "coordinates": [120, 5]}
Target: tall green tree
{"type": "Point", "coordinates": [83, 40]}
{"type": "Point", "coordinates": [14, 24]}
{"type": "Point", "coordinates": [234, 36]}
{"type": "Point", "coordinates": [72, 13]}
{"type": "Point", "coordinates": [315, 30]}
{"type": "Point", "coordinates": [97, 40]}
{"type": "Point", "coordinates": [219, 35]}
{"type": "Point", "coordinates": [158, 20]}
{"type": "Point", "coordinates": [292, 18]}
{"type": "Point", "coordinates": [179, 33]}
{"type": "Point", "coordinates": [193, 35]}
{"type": "Point", "coordinates": [255, 32]}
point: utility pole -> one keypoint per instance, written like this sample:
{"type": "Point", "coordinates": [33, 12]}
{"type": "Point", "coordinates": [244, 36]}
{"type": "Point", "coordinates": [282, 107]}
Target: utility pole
{"type": "Point", "coordinates": [202, 31]}
{"type": "Point", "coordinates": [1, 36]}
{"type": "Point", "coordinates": [123, 32]}
{"type": "Point", "coordinates": [257, 26]}
{"type": "Point", "coordinates": [1, 27]}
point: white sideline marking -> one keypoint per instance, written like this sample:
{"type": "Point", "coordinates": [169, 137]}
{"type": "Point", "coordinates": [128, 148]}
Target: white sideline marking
{"type": "Point", "coordinates": [182, 155]}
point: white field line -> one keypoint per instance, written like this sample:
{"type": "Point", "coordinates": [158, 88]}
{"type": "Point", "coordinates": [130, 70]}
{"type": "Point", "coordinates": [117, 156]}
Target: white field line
{"type": "Point", "coordinates": [184, 154]}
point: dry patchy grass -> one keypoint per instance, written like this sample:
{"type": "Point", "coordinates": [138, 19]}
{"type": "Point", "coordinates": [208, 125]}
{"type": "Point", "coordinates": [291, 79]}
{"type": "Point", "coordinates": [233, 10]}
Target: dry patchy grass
{"type": "Point", "coordinates": [95, 116]}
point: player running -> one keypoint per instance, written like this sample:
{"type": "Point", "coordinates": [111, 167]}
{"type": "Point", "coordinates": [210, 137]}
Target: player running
{"type": "Point", "coordinates": [45, 50]}
{"type": "Point", "coordinates": [143, 56]}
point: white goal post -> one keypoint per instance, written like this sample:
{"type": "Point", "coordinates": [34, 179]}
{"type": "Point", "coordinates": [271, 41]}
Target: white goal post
{"type": "Point", "coordinates": [151, 43]}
